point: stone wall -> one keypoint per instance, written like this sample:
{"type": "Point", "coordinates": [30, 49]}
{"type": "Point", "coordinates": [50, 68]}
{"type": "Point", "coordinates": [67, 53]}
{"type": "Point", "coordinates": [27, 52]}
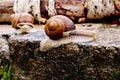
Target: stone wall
{"type": "Point", "coordinates": [95, 60]}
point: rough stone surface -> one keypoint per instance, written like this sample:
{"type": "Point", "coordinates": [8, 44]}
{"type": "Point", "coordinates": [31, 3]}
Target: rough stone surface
{"type": "Point", "coordinates": [97, 60]}
{"type": "Point", "coordinates": [4, 48]}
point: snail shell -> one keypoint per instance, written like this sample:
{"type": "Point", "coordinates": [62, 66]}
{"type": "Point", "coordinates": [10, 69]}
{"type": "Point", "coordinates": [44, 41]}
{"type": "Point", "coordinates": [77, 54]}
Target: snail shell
{"type": "Point", "coordinates": [57, 25]}
{"type": "Point", "coordinates": [21, 18]}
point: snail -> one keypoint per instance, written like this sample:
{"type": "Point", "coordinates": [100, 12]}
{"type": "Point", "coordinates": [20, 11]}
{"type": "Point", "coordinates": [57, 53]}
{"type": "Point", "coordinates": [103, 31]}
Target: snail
{"type": "Point", "coordinates": [56, 25]}
{"type": "Point", "coordinates": [22, 21]}
{"type": "Point", "coordinates": [61, 26]}
{"type": "Point", "coordinates": [61, 30]}
{"type": "Point", "coordinates": [21, 18]}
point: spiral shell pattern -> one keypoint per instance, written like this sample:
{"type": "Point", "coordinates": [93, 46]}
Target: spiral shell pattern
{"type": "Point", "coordinates": [21, 18]}
{"type": "Point", "coordinates": [57, 25]}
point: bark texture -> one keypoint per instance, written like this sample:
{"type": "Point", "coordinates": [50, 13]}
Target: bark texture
{"type": "Point", "coordinates": [6, 9]}
{"type": "Point", "coordinates": [77, 10]}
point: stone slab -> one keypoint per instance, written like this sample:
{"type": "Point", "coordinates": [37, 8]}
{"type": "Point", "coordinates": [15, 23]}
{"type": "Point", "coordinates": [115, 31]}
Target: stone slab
{"type": "Point", "coordinates": [98, 59]}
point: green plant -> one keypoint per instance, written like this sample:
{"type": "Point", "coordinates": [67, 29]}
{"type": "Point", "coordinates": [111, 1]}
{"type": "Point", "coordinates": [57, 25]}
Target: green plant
{"type": "Point", "coordinates": [7, 73]}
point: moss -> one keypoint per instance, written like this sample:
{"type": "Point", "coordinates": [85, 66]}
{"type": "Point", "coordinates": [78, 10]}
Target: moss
{"type": "Point", "coordinates": [23, 72]}
{"type": "Point", "coordinates": [7, 73]}
{"type": "Point", "coordinates": [115, 75]}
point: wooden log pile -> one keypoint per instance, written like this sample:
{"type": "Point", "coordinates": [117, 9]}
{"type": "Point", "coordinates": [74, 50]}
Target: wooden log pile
{"type": "Point", "coordinates": [6, 9]}
{"type": "Point", "coordinates": [77, 10]}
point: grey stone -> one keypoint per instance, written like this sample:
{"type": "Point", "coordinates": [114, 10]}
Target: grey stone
{"type": "Point", "coordinates": [99, 59]}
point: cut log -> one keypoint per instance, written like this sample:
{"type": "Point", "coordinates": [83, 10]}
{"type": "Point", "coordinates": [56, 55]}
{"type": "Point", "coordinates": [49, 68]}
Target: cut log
{"type": "Point", "coordinates": [6, 9]}
{"type": "Point", "coordinates": [77, 10]}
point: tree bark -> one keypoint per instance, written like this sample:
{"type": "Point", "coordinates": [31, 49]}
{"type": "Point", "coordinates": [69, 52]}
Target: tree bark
{"type": "Point", "coordinates": [74, 9]}
{"type": "Point", "coordinates": [6, 9]}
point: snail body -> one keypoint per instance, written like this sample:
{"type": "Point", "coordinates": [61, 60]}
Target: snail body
{"type": "Point", "coordinates": [25, 27]}
{"type": "Point", "coordinates": [57, 25]}
{"type": "Point", "coordinates": [61, 30]}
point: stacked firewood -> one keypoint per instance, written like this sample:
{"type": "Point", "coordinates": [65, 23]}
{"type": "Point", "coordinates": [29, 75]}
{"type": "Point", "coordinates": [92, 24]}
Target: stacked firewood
{"type": "Point", "coordinates": [77, 10]}
{"type": "Point", "coordinates": [6, 9]}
